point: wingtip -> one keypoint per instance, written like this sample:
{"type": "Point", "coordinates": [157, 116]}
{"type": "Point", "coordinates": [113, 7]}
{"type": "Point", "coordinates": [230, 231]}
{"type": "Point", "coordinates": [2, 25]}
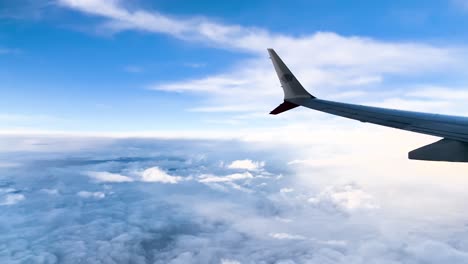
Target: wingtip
{"type": "Point", "coordinates": [285, 106]}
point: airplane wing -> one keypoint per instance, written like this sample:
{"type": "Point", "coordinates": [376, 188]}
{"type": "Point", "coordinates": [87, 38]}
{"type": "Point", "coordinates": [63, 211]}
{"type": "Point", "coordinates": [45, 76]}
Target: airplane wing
{"type": "Point", "coordinates": [453, 129]}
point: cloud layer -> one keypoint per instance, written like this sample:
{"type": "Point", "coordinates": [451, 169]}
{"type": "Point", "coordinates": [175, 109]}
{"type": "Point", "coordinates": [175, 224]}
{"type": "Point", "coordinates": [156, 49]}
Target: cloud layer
{"type": "Point", "coordinates": [57, 209]}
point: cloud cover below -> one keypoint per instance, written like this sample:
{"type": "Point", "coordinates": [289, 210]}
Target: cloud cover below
{"type": "Point", "coordinates": [67, 214]}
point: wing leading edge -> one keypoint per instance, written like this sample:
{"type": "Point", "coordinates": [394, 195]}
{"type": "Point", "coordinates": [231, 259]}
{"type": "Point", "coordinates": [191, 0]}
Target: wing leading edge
{"type": "Point", "coordinates": [454, 129]}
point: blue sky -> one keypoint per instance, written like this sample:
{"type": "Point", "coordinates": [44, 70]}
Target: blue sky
{"type": "Point", "coordinates": [68, 66]}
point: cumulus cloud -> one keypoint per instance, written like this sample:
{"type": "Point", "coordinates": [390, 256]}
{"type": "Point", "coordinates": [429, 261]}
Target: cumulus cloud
{"type": "Point", "coordinates": [104, 176]}
{"type": "Point", "coordinates": [286, 190]}
{"type": "Point", "coordinates": [152, 174]}
{"type": "Point", "coordinates": [349, 197]}
{"type": "Point", "coordinates": [155, 174]}
{"type": "Point", "coordinates": [246, 164]}
{"type": "Point", "coordinates": [9, 196]}
{"type": "Point", "coordinates": [95, 195]}
{"type": "Point", "coordinates": [93, 221]}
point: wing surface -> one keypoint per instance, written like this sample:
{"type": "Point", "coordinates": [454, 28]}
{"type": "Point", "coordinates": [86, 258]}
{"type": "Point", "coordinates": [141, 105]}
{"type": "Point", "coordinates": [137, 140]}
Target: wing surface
{"type": "Point", "coordinates": [452, 127]}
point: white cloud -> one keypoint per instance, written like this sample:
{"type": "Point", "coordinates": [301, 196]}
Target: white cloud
{"type": "Point", "coordinates": [436, 252]}
{"type": "Point", "coordinates": [207, 178]}
{"type": "Point", "coordinates": [333, 48]}
{"type": "Point", "coordinates": [104, 176]}
{"type": "Point", "coordinates": [246, 164]}
{"type": "Point", "coordinates": [287, 236]}
{"type": "Point", "coordinates": [363, 63]}
{"type": "Point", "coordinates": [152, 174]}
{"type": "Point", "coordinates": [229, 261]}
{"type": "Point", "coordinates": [200, 29]}
{"type": "Point", "coordinates": [286, 190]}
{"type": "Point", "coordinates": [155, 174]}
{"type": "Point", "coordinates": [349, 197]}
{"type": "Point", "coordinates": [322, 59]}
{"type": "Point", "coordinates": [94, 195]}
{"type": "Point", "coordinates": [9, 196]}
{"type": "Point", "coordinates": [258, 225]}
{"type": "Point", "coordinates": [11, 199]}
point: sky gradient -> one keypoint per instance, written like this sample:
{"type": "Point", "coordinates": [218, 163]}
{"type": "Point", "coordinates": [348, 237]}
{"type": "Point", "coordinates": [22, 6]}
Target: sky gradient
{"type": "Point", "coordinates": [133, 66]}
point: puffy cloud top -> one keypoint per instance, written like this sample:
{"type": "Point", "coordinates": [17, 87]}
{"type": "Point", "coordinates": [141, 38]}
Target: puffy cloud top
{"type": "Point", "coordinates": [155, 174]}
{"type": "Point", "coordinates": [104, 176]}
{"type": "Point", "coordinates": [246, 164]}
{"type": "Point", "coordinates": [211, 216]}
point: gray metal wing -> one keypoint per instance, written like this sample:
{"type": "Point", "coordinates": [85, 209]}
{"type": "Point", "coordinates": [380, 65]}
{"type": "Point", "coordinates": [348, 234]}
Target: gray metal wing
{"type": "Point", "coordinates": [454, 129]}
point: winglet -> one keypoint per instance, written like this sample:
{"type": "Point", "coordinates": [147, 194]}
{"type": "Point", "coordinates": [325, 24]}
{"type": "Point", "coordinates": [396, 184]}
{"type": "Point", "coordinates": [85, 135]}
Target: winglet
{"type": "Point", "coordinates": [291, 86]}
{"type": "Point", "coordinates": [285, 106]}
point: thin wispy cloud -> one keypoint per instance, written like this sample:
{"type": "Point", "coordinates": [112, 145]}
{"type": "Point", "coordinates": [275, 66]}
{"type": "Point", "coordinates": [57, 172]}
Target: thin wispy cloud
{"type": "Point", "coordinates": [322, 59]}
{"type": "Point", "coordinates": [227, 178]}
{"type": "Point", "coordinates": [200, 29]}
